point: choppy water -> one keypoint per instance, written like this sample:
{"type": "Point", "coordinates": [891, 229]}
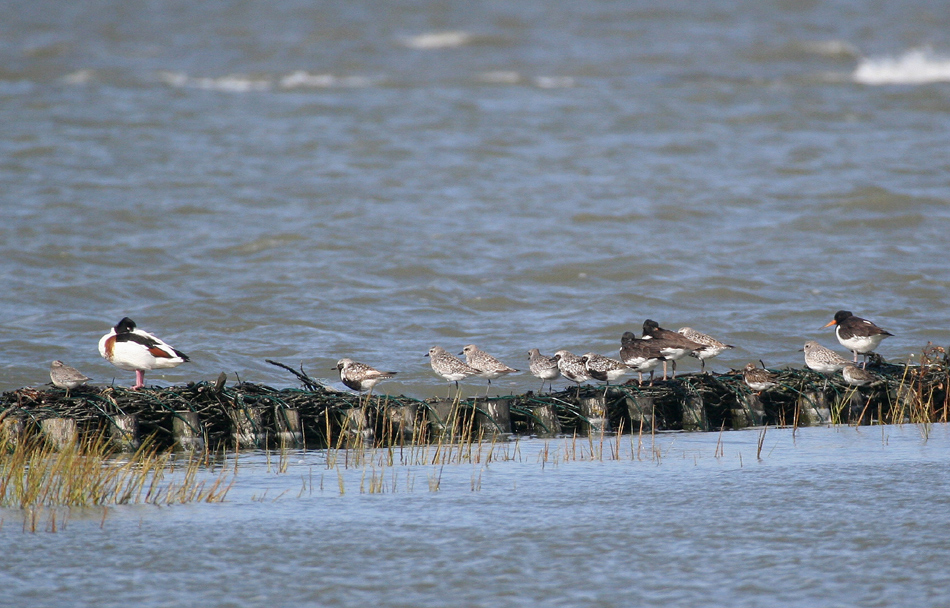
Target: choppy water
{"type": "Point", "coordinates": [306, 181]}
{"type": "Point", "coordinates": [830, 517]}
{"type": "Point", "coordinates": [309, 181]}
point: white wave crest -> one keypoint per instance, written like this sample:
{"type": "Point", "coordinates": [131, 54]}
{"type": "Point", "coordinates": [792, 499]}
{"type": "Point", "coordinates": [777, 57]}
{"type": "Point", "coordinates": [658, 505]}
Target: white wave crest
{"type": "Point", "coordinates": [231, 83]}
{"type": "Point", "coordinates": [554, 82]}
{"type": "Point", "coordinates": [79, 77]}
{"type": "Point", "coordinates": [917, 66]}
{"type": "Point", "coordinates": [304, 80]}
{"type": "Point", "coordinates": [437, 40]}
{"type": "Point", "coordinates": [244, 84]}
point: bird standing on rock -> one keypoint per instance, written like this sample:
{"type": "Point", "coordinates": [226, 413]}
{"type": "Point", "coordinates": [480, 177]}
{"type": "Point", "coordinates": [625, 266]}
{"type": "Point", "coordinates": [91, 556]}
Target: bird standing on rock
{"type": "Point", "coordinates": [711, 346]}
{"type": "Point", "coordinates": [856, 334]}
{"type": "Point", "coordinates": [448, 366]}
{"type": "Point", "coordinates": [855, 376]}
{"type": "Point", "coordinates": [488, 366]}
{"type": "Point", "coordinates": [543, 367]}
{"type": "Point", "coordinates": [64, 376]}
{"type": "Point", "coordinates": [572, 367]}
{"type": "Point", "coordinates": [604, 368]}
{"type": "Point", "coordinates": [823, 360]}
{"type": "Point", "coordinates": [758, 379]}
{"type": "Point", "coordinates": [135, 350]}
{"type": "Point", "coordinates": [359, 376]}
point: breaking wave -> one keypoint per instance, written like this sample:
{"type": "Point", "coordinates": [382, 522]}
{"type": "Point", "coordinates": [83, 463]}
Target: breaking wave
{"type": "Point", "coordinates": [917, 66]}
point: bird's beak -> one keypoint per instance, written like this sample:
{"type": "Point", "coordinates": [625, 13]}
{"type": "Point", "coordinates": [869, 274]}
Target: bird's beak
{"type": "Point", "coordinates": [426, 355]}
{"type": "Point", "coordinates": [830, 323]}
{"type": "Point", "coordinates": [461, 353]}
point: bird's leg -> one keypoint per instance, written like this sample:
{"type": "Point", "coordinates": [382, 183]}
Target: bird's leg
{"type": "Point", "coordinates": [139, 379]}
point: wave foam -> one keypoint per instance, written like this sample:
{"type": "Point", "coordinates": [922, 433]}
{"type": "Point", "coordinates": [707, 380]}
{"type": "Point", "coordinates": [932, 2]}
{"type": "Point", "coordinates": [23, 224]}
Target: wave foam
{"type": "Point", "coordinates": [231, 83]}
{"type": "Point", "coordinates": [437, 40]}
{"type": "Point", "coordinates": [917, 66]}
{"type": "Point", "coordinates": [243, 84]}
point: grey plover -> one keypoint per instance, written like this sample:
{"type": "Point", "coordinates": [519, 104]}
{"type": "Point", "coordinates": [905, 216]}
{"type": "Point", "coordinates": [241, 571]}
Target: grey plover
{"type": "Point", "coordinates": [672, 345]}
{"type": "Point", "coordinates": [821, 359]}
{"type": "Point", "coordinates": [858, 335]}
{"type": "Point", "coordinates": [488, 367]}
{"type": "Point", "coordinates": [448, 366]}
{"type": "Point", "coordinates": [758, 379]}
{"type": "Point", "coordinates": [711, 346]}
{"type": "Point", "coordinates": [603, 368]}
{"type": "Point", "coordinates": [572, 367]}
{"type": "Point", "coordinates": [640, 355]}
{"type": "Point", "coordinates": [359, 376]}
{"type": "Point", "coordinates": [543, 367]}
{"type": "Point", "coordinates": [855, 376]}
{"type": "Point", "coordinates": [64, 376]}
{"type": "Point", "coordinates": [135, 350]}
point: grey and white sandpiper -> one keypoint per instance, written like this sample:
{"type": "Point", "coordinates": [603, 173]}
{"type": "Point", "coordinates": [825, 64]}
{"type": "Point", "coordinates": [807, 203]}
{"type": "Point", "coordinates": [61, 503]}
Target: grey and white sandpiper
{"type": "Point", "coordinates": [572, 367]}
{"type": "Point", "coordinates": [359, 376]}
{"type": "Point", "coordinates": [758, 379]}
{"type": "Point", "coordinates": [856, 376]}
{"type": "Point", "coordinates": [543, 367]}
{"type": "Point", "coordinates": [64, 376]}
{"type": "Point", "coordinates": [448, 366]}
{"type": "Point", "coordinates": [711, 346]}
{"type": "Point", "coordinates": [488, 366]}
{"type": "Point", "coordinates": [604, 368]}
{"type": "Point", "coordinates": [823, 360]}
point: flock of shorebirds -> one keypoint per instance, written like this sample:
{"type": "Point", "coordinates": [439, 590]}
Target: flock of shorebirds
{"type": "Point", "coordinates": [133, 349]}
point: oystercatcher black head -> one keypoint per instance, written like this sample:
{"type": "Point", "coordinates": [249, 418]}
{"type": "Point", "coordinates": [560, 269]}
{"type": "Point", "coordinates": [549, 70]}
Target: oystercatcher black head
{"type": "Point", "coordinates": [649, 326]}
{"type": "Point", "coordinates": [840, 317]}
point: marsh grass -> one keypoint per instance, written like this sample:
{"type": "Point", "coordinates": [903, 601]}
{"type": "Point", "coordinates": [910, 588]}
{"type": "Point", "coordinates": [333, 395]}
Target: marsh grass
{"type": "Point", "coordinates": [35, 477]}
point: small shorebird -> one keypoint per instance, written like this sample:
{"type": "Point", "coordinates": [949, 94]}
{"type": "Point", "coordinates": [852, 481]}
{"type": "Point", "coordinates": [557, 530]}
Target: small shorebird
{"type": "Point", "coordinates": [672, 345]}
{"type": "Point", "coordinates": [758, 379]}
{"type": "Point", "coordinates": [858, 335]}
{"type": "Point", "coordinates": [63, 376]}
{"type": "Point", "coordinates": [640, 355]}
{"type": "Point", "coordinates": [855, 376]}
{"type": "Point", "coordinates": [449, 367]}
{"type": "Point", "coordinates": [487, 366]}
{"type": "Point", "coordinates": [711, 346]}
{"type": "Point", "coordinates": [603, 368]}
{"type": "Point", "coordinates": [359, 376]}
{"type": "Point", "coordinates": [823, 360]}
{"type": "Point", "coordinates": [572, 367]}
{"type": "Point", "coordinates": [543, 367]}
{"type": "Point", "coordinates": [135, 350]}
